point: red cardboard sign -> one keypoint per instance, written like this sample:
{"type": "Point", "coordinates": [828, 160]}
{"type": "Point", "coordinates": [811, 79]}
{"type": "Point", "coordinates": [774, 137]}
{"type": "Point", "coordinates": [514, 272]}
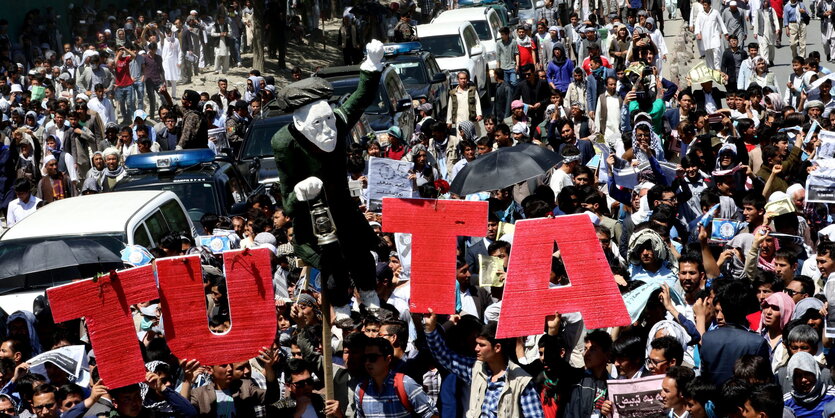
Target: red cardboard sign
{"type": "Point", "coordinates": [251, 307]}
{"type": "Point", "coordinates": [435, 226]}
{"type": "Point", "coordinates": [105, 303]}
{"type": "Point", "coordinates": [528, 300]}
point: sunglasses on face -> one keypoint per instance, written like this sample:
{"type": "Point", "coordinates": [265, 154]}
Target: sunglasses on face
{"type": "Point", "coordinates": [372, 358]}
{"type": "Point", "coordinates": [303, 383]}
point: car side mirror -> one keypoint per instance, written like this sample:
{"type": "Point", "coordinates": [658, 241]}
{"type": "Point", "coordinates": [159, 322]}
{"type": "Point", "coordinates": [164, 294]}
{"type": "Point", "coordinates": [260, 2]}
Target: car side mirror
{"type": "Point", "coordinates": [513, 22]}
{"type": "Point", "coordinates": [476, 50]}
{"type": "Point", "coordinates": [540, 4]}
{"type": "Point", "coordinates": [403, 104]}
{"type": "Point", "coordinates": [439, 77]}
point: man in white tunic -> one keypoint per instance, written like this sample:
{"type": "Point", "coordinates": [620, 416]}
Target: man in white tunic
{"type": "Point", "coordinates": [827, 17]}
{"type": "Point", "coordinates": [710, 29]}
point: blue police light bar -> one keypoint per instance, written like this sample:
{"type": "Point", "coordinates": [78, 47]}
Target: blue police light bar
{"type": "Point", "coordinates": [401, 48]}
{"type": "Point", "coordinates": [169, 160]}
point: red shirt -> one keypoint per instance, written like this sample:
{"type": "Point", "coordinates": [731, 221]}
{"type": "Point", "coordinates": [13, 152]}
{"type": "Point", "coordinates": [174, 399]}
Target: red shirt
{"type": "Point", "coordinates": [587, 67]}
{"type": "Point", "coordinates": [123, 78]}
{"type": "Point", "coordinates": [526, 53]}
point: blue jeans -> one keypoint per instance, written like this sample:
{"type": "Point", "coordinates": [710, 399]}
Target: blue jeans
{"type": "Point", "coordinates": [139, 94]}
{"type": "Point", "coordinates": [124, 95]}
{"type": "Point", "coordinates": [510, 77]}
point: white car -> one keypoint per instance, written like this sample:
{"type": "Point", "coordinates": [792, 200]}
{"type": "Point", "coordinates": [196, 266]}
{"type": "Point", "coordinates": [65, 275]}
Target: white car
{"type": "Point", "coordinates": [527, 11]}
{"type": "Point", "coordinates": [107, 221]}
{"type": "Point", "coordinates": [486, 22]}
{"type": "Point", "coordinates": [456, 47]}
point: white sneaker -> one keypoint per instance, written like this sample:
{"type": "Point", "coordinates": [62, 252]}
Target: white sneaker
{"type": "Point", "coordinates": [370, 299]}
{"type": "Point", "coordinates": [342, 316]}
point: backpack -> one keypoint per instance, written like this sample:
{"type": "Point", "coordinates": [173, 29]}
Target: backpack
{"type": "Point", "coordinates": [399, 388]}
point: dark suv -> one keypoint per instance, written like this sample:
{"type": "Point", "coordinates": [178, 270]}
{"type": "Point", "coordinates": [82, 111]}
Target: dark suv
{"type": "Point", "coordinates": [256, 162]}
{"type": "Point", "coordinates": [420, 74]}
{"type": "Point", "coordinates": [393, 105]}
{"type": "Point", "coordinates": [205, 183]}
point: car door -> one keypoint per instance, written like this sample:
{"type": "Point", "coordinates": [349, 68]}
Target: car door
{"type": "Point", "coordinates": [441, 90]}
{"type": "Point", "coordinates": [471, 41]}
{"type": "Point", "coordinates": [404, 119]}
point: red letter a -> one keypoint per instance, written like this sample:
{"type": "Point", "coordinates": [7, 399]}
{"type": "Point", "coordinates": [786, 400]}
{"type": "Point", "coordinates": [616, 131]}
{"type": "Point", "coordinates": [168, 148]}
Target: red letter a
{"type": "Point", "coordinates": [527, 298]}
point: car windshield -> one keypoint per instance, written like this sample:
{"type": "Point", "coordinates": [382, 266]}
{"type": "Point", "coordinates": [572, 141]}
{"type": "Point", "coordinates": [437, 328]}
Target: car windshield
{"type": "Point", "coordinates": [259, 142]}
{"type": "Point", "coordinates": [17, 274]}
{"type": "Point", "coordinates": [410, 72]}
{"type": "Point", "coordinates": [483, 30]}
{"type": "Point", "coordinates": [444, 46]}
{"type": "Point", "coordinates": [197, 196]}
{"type": "Point", "coordinates": [524, 4]}
{"type": "Point", "coordinates": [377, 106]}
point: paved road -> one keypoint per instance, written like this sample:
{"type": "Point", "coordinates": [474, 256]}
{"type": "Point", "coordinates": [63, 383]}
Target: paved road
{"type": "Point", "coordinates": [782, 67]}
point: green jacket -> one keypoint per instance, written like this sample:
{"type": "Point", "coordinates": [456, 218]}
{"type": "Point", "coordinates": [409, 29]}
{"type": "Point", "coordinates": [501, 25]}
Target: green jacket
{"type": "Point", "coordinates": [296, 159]}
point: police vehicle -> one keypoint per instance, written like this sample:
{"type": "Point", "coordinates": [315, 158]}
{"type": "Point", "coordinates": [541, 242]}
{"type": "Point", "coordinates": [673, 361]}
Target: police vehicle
{"type": "Point", "coordinates": [420, 74]}
{"type": "Point", "coordinates": [204, 182]}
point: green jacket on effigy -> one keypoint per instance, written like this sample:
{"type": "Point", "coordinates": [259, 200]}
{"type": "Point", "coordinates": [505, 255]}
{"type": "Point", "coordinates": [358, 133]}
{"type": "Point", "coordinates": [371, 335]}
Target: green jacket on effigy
{"type": "Point", "coordinates": [297, 159]}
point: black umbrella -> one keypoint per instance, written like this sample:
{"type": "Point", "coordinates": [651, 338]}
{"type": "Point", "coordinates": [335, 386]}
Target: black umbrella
{"type": "Point", "coordinates": [47, 263]}
{"type": "Point", "coordinates": [503, 168]}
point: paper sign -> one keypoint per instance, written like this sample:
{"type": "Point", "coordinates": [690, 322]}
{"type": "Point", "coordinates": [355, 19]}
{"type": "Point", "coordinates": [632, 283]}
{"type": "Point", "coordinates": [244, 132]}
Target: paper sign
{"type": "Point", "coordinates": [435, 226]}
{"type": "Point", "coordinates": [700, 73]}
{"type": "Point", "coordinates": [637, 397]}
{"type": "Point", "coordinates": [216, 243]}
{"type": "Point", "coordinates": [38, 93]}
{"type": "Point", "coordinates": [403, 242]}
{"type": "Point", "coordinates": [723, 230]}
{"type": "Point", "coordinates": [667, 169]}
{"type": "Point", "coordinates": [829, 292]}
{"type": "Point", "coordinates": [826, 149]}
{"type": "Point", "coordinates": [527, 298]}
{"type": "Point", "coordinates": [626, 177]}
{"type": "Point", "coordinates": [780, 207]}
{"type": "Point", "coordinates": [602, 168]}
{"type": "Point", "coordinates": [820, 186]}
{"type": "Point", "coordinates": [505, 228]}
{"type": "Point", "coordinates": [251, 307]}
{"type": "Point", "coordinates": [387, 178]}
{"type": "Point", "coordinates": [490, 271]}
{"type": "Point", "coordinates": [105, 304]}
{"type": "Point", "coordinates": [808, 137]}
{"type": "Point", "coordinates": [72, 359]}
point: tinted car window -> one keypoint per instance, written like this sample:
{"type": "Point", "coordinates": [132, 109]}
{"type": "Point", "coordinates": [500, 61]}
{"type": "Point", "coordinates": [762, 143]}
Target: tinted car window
{"type": "Point", "coordinates": [140, 236]}
{"type": "Point", "coordinates": [470, 38]}
{"type": "Point", "coordinates": [174, 216]}
{"type": "Point", "coordinates": [483, 30]}
{"type": "Point", "coordinates": [444, 46]}
{"type": "Point", "coordinates": [410, 72]}
{"type": "Point", "coordinates": [258, 145]}
{"type": "Point", "coordinates": [495, 22]}
{"type": "Point", "coordinates": [157, 226]}
{"type": "Point", "coordinates": [377, 106]}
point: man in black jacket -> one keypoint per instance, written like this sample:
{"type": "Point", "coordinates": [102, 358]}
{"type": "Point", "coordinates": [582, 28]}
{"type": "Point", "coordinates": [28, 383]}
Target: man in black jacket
{"type": "Point", "coordinates": [533, 92]}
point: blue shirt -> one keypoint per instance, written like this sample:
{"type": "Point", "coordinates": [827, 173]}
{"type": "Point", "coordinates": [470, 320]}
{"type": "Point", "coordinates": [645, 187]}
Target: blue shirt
{"type": "Point", "coordinates": [387, 404]}
{"type": "Point", "coordinates": [462, 366]}
{"type": "Point", "coordinates": [790, 12]}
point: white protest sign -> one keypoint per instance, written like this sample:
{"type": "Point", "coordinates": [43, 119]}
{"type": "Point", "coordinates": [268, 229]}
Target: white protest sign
{"type": "Point", "coordinates": [826, 149]}
{"type": "Point", "coordinates": [72, 359]}
{"type": "Point", "coordinates": [637, 397]}
{"type": "Point", "coordinates": [387, 178]}
{"type": "Point", "coordinates": [820, 186]}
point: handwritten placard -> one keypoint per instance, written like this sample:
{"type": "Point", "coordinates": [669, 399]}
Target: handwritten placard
{"type": "Point", "coordinates": [387, 178]}
{"type": "Point", "coordinates": [637, 397]}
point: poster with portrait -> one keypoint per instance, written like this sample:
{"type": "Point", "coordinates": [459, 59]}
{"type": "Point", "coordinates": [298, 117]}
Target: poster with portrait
{"type": "Point", "coordinates": [387, 178]}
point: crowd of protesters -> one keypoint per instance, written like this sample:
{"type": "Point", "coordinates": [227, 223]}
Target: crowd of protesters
{"type": "Point", "coordinates": [734, 319]}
